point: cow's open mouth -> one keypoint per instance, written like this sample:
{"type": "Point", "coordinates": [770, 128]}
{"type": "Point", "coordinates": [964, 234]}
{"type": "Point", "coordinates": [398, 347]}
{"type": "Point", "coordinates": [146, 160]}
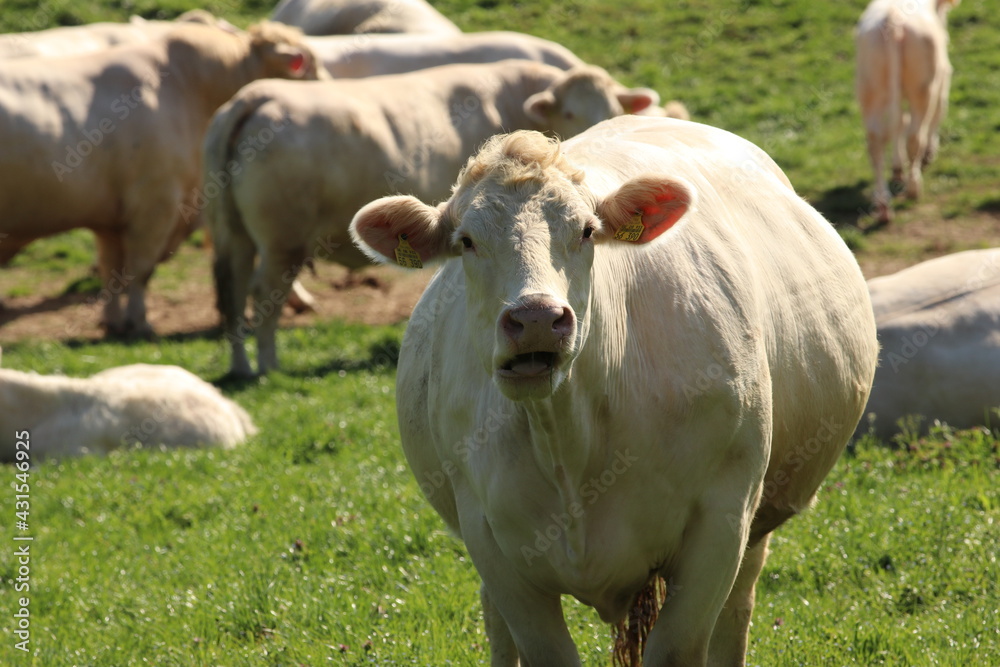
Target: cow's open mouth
{"type": "Point", "coordinates": [529, 365]}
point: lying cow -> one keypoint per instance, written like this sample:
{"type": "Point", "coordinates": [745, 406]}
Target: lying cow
{"type": "Point", "coordinates": [647, 317]}
{"type": "Point", "coordinates": [902, 53]}
{"type": "Point", "coordinates": [302, 158]}
{"type": "Point", "coordinates": [112, 141]}
{"type": "Point", "coordinates": [78, 39]}
{"type": "Point", "coordinates": [127, 405]}
{"type": "Point", "coordinates": [343, 17]}
{"type": "Point", "coordinates": [352, 57]}
{"type": "Point", "coordinates": [939, 325]}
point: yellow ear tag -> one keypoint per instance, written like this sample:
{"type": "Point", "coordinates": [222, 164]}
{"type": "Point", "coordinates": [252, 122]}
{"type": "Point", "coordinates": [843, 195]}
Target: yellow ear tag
{"type": "Point", "coordinates": [406, 256]}
{"type": "Point", "coordinates": [633, 230]}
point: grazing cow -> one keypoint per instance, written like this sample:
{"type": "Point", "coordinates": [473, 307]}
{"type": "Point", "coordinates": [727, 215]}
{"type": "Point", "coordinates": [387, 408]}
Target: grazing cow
{"type": "Point", "coordinates": [337, 145]}
{"type": "Point", "coordinates": [939, 325]}
{"type": "Point", "coordinates": [352, 57]}
{"type": "Point", "coordinates": [78, 39]}
{"type": "Point", "coordinates": [127, 405]}
{"type": "Point", "coordinates": [902, 52]}
{"type": "Point", "coordinates": [343, 17]}
{"type": "Point", "coordinates": [647, 317]}
{"type": "Point", "coordinates": [112, 141]}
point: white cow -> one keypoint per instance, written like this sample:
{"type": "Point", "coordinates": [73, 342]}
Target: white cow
{"type": "Point", "coordinates": [939, 325]}
{"type": "Point", "coordinates": [643, 354]}
{"type": "Point", "coordinates": [356, 56]}
{"type": "Point", "coordinates": [302, 158]}
{"type": "Point", "coordinates": [343, 17]}
{"type": "Point", "coordinates": [78, 39]}
{"type": "Point", "coordinates": [111, 141]}
{"type": "Point", "coordinates": [127, 405]}
{"type": "Point", "coordinates": [902, 52]}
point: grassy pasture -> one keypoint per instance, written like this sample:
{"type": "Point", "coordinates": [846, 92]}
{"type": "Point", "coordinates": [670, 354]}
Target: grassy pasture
{"type": "Point", "coordinates": [312, 544]}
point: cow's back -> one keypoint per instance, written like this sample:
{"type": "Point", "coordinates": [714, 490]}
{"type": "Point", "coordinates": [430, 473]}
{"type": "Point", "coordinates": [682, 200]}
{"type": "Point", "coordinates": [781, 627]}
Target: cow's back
{"type": "Point", "coordinates": [939, 327]}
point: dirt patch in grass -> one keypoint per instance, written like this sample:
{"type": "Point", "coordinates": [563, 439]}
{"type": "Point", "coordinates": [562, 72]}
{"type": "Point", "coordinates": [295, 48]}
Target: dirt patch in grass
{"type": "Point", "coordinates": [185, 304]}
{"type": "Point", "coordinates": [181, 299]}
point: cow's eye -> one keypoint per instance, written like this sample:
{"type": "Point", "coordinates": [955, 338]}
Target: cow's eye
{"type": "Point", "coordinates": [588, 231]}
{"type": "Point", "coordinates": [467, 243]}
{"type": "Point", "coordinates": [569, 115]}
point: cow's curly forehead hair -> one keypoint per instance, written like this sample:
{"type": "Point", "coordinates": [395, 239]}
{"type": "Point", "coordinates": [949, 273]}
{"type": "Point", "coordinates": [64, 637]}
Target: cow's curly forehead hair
{"type": "Point", "coordinates": [515, 158]}
{"type": "Point", "coordinates": [272, 32]}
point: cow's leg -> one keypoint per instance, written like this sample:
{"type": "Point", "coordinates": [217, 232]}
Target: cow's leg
{"type": "Point", "coordinates": [728, 647]}
{"type": "Point", "coordinates": [899, 147]}
{"type": "Point", "coordinates": [233, 271]}
{"type": "Point", "coordinates": [111, 265]}
{"type": "Point", "coordinates": [533, 618]}
{"type": "Point", "coordinates": [273, 281]}
{"type": "Point", "coordinates": [877, 136]}
{"type": "Point", "coordinates": [939, 106]}
{"type": "Point", "coordinates": [703, 574]}
{"type": "Point", "coordinates": [917, 139]}
{"type": "Point", "coordinates": [503, 651]}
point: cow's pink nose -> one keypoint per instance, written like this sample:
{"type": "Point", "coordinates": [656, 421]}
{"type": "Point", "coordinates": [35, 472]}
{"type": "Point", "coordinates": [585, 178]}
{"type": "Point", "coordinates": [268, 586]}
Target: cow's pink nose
{"type": "Point", "coordinates": [538, 324]}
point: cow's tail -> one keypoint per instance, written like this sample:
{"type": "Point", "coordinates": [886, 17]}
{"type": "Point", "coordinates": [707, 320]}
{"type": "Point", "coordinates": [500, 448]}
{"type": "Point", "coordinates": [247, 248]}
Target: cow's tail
{"type": "Point", "coordinates": [893, 41]}
{"type": "Point", "coordinates": [221, 214]}
{"type": "Point", "coordinates": [631, 633]}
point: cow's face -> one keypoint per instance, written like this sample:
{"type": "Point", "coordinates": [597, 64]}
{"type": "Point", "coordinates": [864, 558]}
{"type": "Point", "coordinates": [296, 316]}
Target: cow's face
{"type": "Point", "coordinates": [583, 97]}
{"type": "Point", "coordinates": [282, 53]}
{"type": "Point", "coordinates": [525, 228]}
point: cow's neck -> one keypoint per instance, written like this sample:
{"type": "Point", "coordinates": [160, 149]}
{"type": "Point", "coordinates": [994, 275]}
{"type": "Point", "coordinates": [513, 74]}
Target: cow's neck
{"type": "Point", "coordinates": [562, 454]}
{"type": "Point", "coordinates": [211, 72]}
{"type": "Point", "coordinates": [516, 87]}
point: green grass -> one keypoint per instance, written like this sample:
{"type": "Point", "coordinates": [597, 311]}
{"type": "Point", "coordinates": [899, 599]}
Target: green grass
{"type": "Point", "coordinates": [312, 545]}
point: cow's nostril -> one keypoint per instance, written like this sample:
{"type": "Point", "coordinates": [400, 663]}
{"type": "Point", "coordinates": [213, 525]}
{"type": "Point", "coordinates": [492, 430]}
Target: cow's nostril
{"type": "Point", "coordinates": [563, 326]}
{"type": "Point", "coordinates": [512, 328]}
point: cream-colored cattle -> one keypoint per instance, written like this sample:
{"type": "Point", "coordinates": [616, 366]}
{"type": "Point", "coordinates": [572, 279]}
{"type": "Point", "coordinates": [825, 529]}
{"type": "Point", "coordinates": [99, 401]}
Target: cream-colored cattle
{"type": "Point", "coordinates": [123, 406]}
{"type": "Point", "coordinates": [292, 162]}
{"type": "Point", "coordinates": [902, 53]}
{"type": "Point", "coordinates": [351, 57]}
{"type": "Point", "coordinates": [79, 39]}
{"type": "Point", "coordinates": [111, 141]}
{"type": "Point", "coordinates": [343, 17]}
{"type": "Point", "coordinates": [642, 354]}
{"type": "Point", "coordinates": [939, 325]}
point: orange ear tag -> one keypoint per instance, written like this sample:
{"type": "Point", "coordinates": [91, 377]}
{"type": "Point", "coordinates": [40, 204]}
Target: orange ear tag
{"type": "Point", "coordinates": [633, 230]}
{"type": "Point", "coordinates": [406, 256]}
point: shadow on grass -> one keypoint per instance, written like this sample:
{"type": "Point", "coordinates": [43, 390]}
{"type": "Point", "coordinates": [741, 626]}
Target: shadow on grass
{"type": "Point", "coordinates": [990, 206]}
{"type": "Point", "coordinates": [382, 355]}
{"type": "Point", "coordinates": [846, 205]}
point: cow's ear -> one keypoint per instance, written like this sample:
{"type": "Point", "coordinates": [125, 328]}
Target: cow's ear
{"type": "Point", "coordinates": [634, 100]}
{"type": "Point", "coordinates": [643, 208]}
{"type": "Point", "coordinates": [294, 61]}
{"type": "Point", "coordinates": [402, 230]}
{"type": "Point", "coordinates": [540, 106]}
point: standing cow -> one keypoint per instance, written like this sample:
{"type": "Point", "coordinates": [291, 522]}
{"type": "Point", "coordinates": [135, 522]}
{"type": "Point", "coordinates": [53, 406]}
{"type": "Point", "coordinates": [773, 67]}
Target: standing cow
{"type": "Point", "coordinates": [939, 325]}
{"type": "Point", "coordinates": [642, 354]}
{"type": "Point", "coordinates": [293, 161]}
{"type": "Point", "coordinates": [111, 141]}
{"type": "Point", "coordinates": [902, 52]}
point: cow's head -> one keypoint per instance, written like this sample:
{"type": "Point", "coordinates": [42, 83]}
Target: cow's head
{"type": "Point", "coordinates": [526, 229]}
{"type": "Point", "coordinates": [583, 97]}
{"type": "Point", "coordinates": [282, 52]}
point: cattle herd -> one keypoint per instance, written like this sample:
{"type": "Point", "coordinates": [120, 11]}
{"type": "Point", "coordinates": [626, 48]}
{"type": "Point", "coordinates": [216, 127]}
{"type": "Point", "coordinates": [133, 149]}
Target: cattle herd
{"type": "Point", "coordinates": [617, 285]}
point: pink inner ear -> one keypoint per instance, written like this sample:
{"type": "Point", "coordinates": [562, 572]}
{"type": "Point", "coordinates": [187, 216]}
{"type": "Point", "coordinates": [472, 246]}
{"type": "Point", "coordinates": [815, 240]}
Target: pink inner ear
{"type": "Point", "coordinates": [298, 63]}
